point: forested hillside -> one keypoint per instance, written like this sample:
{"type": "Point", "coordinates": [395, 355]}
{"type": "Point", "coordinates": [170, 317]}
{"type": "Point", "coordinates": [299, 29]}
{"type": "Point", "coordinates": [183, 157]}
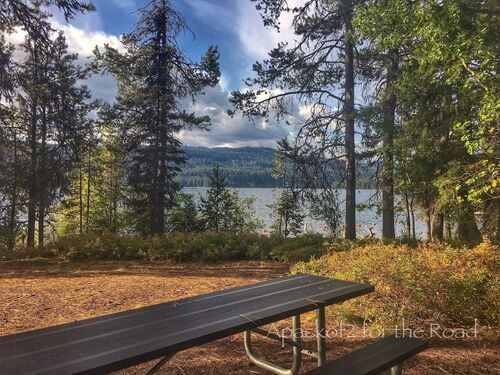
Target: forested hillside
{"type": "Point", "coordinates": [242, 167]}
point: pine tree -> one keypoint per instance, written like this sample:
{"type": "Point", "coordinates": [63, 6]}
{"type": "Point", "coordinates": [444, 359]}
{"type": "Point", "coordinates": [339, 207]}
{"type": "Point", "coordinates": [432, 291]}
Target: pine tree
{"type": "Point", "coordinates": [95, 199]}
{"type": "Point", "coordinates": [213, 205]}
{"type": "Point", "coordinates": [381, 59]}
{"type": "Point", "coordinates": [11, 166]}
{"type": "Point", "coordinates": [109, 212]}
{"type": "Point", "coordinates": [446, 90]}
{"type": "Point", "coordinates": [33, 79]}
{"type": "Point", "coordinates": [311, 72]}
{"type": "Point", "coordinates": [287, 209]}
{"type": "Point", "coordinates": [184, 215]}
{"type": "Point", "coordinates": [222, 210]}
{"type": "Point", "coordinates": [18, 89]}
{"type": "Point", "coordinates": [7, 80]}
{"type": "Point", "coordinates": [12, 179]}
{"type": "Point", "coordinates": [154, 75]}
{"type": "Point", "coordinates": [53, 112]}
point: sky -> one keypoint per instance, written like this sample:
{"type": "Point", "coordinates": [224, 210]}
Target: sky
{"type": "Point", "coordinates": [234, 26]}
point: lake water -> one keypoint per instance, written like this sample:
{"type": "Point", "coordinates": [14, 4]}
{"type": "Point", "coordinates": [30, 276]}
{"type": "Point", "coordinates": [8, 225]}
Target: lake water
{"type": "Point", "coordinates": [368, 218]}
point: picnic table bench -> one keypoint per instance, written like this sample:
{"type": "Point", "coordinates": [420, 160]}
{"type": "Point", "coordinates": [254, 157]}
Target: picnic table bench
{"type": "Point", "coordinates": [117, 341]}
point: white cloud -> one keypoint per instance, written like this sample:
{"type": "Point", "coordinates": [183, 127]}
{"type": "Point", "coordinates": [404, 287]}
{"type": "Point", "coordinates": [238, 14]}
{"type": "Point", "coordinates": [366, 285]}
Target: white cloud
{"type": "Point", "coordinates": [83, 41]}
{"type": "Point", "coordinates": [305, 110]}
{"type": "Point", "coordinates": [227, 131]}
{"type": "Point", "coordinates": [224, 81]}
{"type": "Point", "coordinates": [258, 40]}
{"type": "Point", "coordinates": [241, 18]}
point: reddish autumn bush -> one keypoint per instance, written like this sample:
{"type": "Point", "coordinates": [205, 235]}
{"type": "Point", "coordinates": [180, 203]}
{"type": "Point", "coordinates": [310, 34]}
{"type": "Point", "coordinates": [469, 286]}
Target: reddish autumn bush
{"type": "Point", "coordinates": [427, 283]}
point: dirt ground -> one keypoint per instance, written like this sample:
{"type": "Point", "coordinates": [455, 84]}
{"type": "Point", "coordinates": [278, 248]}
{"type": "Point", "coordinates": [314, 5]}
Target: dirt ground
{"type": "Point", "coordinates": [41, 293]}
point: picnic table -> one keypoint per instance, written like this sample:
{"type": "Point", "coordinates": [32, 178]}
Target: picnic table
{"type": "Point", "coordinates": [117, 341]}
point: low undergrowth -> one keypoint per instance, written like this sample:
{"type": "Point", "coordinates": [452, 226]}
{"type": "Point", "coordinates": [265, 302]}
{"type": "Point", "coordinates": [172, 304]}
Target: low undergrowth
{"type": "Point", "coordinates": [431, 282]}
{"type": "Point", "coordinates": [416, 283]}
{"type": "Point", "coordinates": [182, 247]}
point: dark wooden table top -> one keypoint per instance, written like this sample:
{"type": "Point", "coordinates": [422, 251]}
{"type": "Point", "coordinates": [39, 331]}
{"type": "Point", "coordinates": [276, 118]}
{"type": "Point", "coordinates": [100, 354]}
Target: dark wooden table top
{"type": "Point", "coordinates": [113, 342]}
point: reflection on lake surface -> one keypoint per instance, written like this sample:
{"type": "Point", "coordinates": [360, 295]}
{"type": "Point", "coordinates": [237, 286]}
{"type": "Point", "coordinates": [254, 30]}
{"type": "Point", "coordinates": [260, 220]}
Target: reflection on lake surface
{"type": "Point", "coordinates": [367, 218]}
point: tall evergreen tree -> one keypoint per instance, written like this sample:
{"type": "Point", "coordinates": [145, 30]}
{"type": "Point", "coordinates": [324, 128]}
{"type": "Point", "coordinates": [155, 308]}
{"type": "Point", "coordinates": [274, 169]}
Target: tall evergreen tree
{"type": "Point", "coordinates": [109, 212]}
{"type": "Point", "coordinates": [12, 179]}
{"type": "Point", "coordinates": [380, 60]}
{"type": "Point", "coordinates": [448, 104]}
{"type": "Point", "coordinates": [29, 16]}
{"type": "Point", "coordinates": [153, 76]}
{"type": "Point", "coordinates": [9, 151]}
{"type": "Point", "coordinates": [53, 110]}
{"type": "Point", "coordinates": [288, 212]}
{"type": "Point", "coordinates": [346, 9]}
{"type": "Point", "coordinates": [317, 72]}
{"type": "Point", "coordinates": [95, 199]}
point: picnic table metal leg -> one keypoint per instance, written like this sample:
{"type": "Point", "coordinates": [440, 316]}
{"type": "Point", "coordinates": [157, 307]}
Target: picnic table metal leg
{"type": "Point", "coordinates": [321, 336]}
{"type": "Point", "coordinates": [159, 365]}
{"type": "Point", "coordinates": [296, 338]}
{"type": "Point", "coordinates": [396, 370]}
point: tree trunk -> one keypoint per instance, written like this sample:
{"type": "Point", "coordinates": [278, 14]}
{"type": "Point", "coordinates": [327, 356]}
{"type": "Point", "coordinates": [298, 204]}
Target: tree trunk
{"type": "Point", "coordinates": [468, 230]}
{"type": "Point", "coordinates": [158, 224]}
{"type": "Point", "coordinates": [42, 172]}
{"type": "Point", "coordinates": [11, 239]}
{"type": "Point", "coordinates": [33, 152]}
{"type": "Point", "coordinates": [41, 226]}
{"type": "Point", "coordinates": [80, 197]}
{"type": "Point", "coordinates": [283, 230]}
{"type": "Point", "coordinates": [491, 220]}
{"type": "Point", "coordinates": [413, 225]}
{"type": "Point", "coordinates": [161, 190]}
{"type": "Point", "coordinates": [89, 172]}
{"type": "Point", "coordinates": [448, 227]}
{"type": "Point", "coordinates": [32, 180]}
{"type": "Point", "coordinates": [438, 226]}
{"type": "Point", "coordinates": [387, 146]}
{"type": "Point", "coordinates": [408, 218]}
{"type": "Point", "coordinates": [114, 206]}
{"type": "Point", "coordinates": [428, 217]}
{"type": "Point", "coordinates": [350, 168]}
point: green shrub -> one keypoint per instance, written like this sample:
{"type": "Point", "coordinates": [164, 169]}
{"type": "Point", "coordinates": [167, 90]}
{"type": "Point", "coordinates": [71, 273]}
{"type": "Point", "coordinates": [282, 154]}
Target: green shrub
{"type": "Point", "coordinates": [301, 248]}
{"type": "Point", "coordinates": [429, 282]}
{"type": "Point", "coordinates": [183, 247]}
{"type": "Point", "coordinates": [105, 246]}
